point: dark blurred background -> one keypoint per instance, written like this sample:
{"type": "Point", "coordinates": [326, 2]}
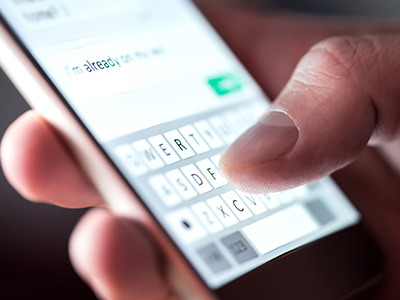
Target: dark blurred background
{"type": "Point", "coordinates": [363, 9]}
{"type": "Point", "coordinates": [34, 260]}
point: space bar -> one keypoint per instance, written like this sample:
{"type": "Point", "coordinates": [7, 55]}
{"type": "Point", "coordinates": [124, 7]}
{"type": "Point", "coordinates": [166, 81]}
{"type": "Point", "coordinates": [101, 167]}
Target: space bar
{"type": "Point", "coordinates": [281, 228]}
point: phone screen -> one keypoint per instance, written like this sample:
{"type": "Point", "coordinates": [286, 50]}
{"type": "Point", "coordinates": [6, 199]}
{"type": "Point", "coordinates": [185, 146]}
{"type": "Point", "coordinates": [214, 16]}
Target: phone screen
{"type": "Point", "coordinates": [163, 95]}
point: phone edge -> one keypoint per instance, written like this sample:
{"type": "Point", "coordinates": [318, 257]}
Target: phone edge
{"type": "Point", "coordinates": [117, 194]}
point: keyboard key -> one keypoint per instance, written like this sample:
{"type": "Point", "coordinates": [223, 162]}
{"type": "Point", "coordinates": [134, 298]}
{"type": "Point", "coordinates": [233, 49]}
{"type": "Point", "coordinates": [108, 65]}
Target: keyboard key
{"type": "Point", "coordinates": [239, 248]}
{"type": "Point", "coordinates": [215, 159]}
{"type": "Point", "coordinates": [185, 226]}
{"type": "Point", "coordinates": [164, 190]}
{"type": "Point", "coordinates": [286, 196]}
{"type": "Point", "coordinates": [209, 134]}
{"type": "Point", "coordinates": [211, 173]}
{"type": "Point", "coordinates": [164, 149]}
{"type": "Point", "coordinates": [237, 205]}
{"type": "Point", "coordinates": [248, 115]}
{"type": "Point", "coordinates": [181, 184]}
{"type": "Point", "coordinates": [233, 119]}
{"type": "Point", "coordinates": [300, 191]}
{"type": "Point", "coordinates": [253, 202]}
{"type": "Point", "coordinates": [206, 216]}
{"type": "Point", "coordinates": [196, 178]}
{"type": "Point", "coordinates": [223, 128]}
{"type": "Point", "coordinates": [257, 110]}
{"type": "Point", "coordinates": [213, 258]}
{"type": "Point", "coordinates": [222, 211]}
{"type": "Point", "coordinates": [131, 160]}
{"type": "Point", "coordinates": [270, 200]}
{"type": "Point", "coordinates": [148, 154]}
{"type": "Point", "coordinates": [179, 144]}
{"type": "Point", "coordinates": [315, 185]}
{"type": "Point", "coordinates": [280, 228]}
{"type": "Point", "coordinates": [319, 210]}
{"type": "Point", "coordinates": [244, 118]}
{"type": "Point", "coordinates": [194, 139]}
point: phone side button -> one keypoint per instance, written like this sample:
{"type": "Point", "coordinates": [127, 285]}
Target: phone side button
{"type": "Point", "coordinates": [214, 259]}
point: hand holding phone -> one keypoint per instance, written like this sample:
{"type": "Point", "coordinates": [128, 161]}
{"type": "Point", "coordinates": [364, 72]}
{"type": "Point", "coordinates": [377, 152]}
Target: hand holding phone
{"type": "Point", "coordinates": [252, 228]}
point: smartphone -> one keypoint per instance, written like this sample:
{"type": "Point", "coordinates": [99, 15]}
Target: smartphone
{"type": "Point", "coordinates": [147, 95]}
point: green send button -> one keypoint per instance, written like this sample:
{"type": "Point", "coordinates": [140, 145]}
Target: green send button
{"type": "Point", "coordinates": [225, 84]}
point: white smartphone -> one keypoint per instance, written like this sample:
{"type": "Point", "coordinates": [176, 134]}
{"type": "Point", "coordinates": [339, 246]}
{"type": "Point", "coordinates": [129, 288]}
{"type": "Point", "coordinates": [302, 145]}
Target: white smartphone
{"type": "Point", "coordinates": [147, 95]}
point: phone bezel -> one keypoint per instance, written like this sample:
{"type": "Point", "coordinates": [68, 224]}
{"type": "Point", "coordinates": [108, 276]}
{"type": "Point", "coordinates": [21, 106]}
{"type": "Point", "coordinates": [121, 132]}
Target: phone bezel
{"type": "Point", "coordinates": [235, 286]}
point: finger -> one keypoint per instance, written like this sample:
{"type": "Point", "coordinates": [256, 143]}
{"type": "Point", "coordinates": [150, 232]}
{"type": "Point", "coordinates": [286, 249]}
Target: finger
{"type": "Point", "coordinates": [117, 258]}
{"type": "Point", "coordinates": [38, 165]}
{"type": "Point", "coordinates": [342, 92]}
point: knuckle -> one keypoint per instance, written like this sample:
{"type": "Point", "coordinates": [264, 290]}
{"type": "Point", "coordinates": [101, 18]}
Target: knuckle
{"type": "Point", "coordinates": [339, 62]}
{"type": "Point", "coordinates": [349, 56]}
{"type": "Point", "coordinates": [365, 66]}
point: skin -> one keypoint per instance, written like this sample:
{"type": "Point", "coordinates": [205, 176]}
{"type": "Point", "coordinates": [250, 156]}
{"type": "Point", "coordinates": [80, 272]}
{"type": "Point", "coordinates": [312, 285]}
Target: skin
{"type": "Point", "coordinates": [117, 257]}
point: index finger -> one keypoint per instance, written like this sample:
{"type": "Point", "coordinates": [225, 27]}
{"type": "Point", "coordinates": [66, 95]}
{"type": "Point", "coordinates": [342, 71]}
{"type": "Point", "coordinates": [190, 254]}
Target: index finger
{"type": "Point", "coordinates": [39, 166]}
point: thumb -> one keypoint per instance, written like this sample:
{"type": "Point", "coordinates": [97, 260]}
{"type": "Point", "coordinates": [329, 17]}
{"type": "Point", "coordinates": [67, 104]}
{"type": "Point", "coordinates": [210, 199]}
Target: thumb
{"type": "Point", "coordinates": [344, 91]}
